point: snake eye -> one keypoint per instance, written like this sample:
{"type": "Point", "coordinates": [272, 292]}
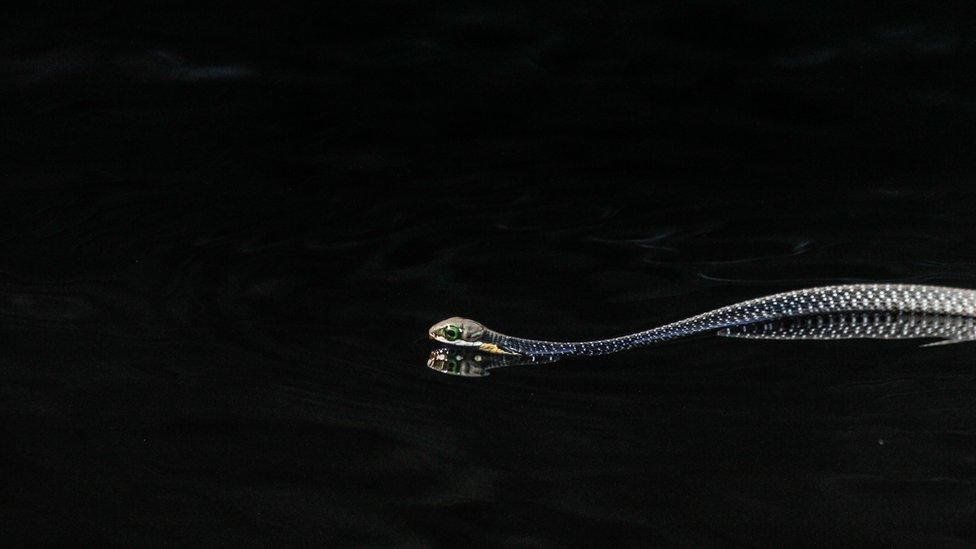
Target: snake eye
{"type": "Point", "coordinates": [452, 333]}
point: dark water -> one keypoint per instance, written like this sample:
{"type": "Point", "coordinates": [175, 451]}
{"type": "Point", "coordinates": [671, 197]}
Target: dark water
{"type": "Point", "coordinates": [226, 232]}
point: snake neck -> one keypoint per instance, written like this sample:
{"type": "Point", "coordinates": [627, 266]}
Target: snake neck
{"type": "Point", "coordinates": [498, 342]}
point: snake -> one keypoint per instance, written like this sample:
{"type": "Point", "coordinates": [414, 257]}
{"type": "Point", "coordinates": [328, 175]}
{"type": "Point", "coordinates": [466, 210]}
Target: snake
{"type": "Point", "coordinates": [881, 311]}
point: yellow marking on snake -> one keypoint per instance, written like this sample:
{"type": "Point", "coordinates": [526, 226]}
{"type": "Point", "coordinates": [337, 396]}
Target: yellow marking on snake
{"type": "Point", "coordinates": [494, 349]}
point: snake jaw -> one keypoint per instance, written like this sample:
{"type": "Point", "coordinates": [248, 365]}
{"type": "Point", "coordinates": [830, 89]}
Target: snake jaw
{"type": "Point", "coordinates": [495, 349]}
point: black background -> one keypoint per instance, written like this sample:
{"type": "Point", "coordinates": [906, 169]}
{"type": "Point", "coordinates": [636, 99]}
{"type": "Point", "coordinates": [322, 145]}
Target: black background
{"type": "Point", "coordinates": [225, 231]}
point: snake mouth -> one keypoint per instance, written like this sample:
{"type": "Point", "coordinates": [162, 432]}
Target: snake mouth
{"type": "Point", "coordinates": [453, 343]}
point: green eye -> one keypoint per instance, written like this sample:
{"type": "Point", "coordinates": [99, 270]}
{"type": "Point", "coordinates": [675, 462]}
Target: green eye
{"type": "Point", "coordinates": [451, 333]}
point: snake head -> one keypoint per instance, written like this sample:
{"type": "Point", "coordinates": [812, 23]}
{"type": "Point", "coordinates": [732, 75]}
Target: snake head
{"type": "Point", "coordinates": [460, 362]}
{"type": "Point", "coordinates": [458, 331]}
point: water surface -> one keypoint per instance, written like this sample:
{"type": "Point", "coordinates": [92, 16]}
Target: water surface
{"type": "Point", "coordinates": [225, 236]}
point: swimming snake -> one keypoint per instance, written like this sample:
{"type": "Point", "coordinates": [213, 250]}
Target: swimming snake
{"type": "Point", "coordinates": [880, 311]}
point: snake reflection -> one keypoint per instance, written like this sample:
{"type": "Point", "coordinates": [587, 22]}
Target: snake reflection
{"type": "Point", "coordinates": [474, 363]}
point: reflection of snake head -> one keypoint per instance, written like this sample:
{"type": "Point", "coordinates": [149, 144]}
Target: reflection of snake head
{"type": "Point", "coordinates": [463, 332]}
{"type": "Point", "coordinates": [471, 362]}
{"type": "Point", "coordinates": [459, 362]}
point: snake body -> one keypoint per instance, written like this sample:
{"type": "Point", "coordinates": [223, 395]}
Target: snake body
{"type": "Point", "coordinates": [955, 306]}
